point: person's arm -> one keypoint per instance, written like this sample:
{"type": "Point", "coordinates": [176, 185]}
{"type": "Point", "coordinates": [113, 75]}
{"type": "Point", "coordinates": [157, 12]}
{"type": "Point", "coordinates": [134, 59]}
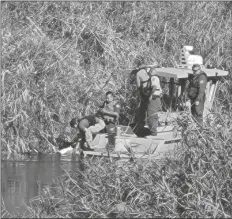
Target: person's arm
{"type": "Point", "coordinates": [202, 86]}
{"type": "Point", "coordinates": [137, 80]}
{"type": "Point", "coordinates": [115, 113]}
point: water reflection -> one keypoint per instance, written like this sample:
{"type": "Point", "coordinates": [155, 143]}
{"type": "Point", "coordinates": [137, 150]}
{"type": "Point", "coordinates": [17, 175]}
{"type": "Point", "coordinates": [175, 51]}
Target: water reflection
{"type": "Point", "coordinates": [22, 181]}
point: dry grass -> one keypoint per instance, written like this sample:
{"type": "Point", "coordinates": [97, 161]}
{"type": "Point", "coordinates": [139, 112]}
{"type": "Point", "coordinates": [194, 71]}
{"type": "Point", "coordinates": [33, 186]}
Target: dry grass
{"type": "Point", "coordinates": [58, 60]}
{"type": "Point", "coordinates": [196, 184]}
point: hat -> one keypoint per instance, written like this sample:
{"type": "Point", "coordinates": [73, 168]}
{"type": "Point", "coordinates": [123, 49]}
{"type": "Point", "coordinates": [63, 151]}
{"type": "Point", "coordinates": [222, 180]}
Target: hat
{"type": "Point", "coordinates": [196, 65]}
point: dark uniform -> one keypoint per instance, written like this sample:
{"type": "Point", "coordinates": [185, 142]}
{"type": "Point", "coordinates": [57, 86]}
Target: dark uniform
{"type": "Point", "coordinates": [196, 92]}
{"type": "Point", "coordinates": [111, 121]}
{"type": "Point", "coordinates": [142, 79]}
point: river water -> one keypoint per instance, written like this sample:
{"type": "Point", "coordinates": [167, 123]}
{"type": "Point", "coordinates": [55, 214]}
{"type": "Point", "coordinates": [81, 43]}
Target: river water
{"type": "Point", "coordinates": [23, 180]}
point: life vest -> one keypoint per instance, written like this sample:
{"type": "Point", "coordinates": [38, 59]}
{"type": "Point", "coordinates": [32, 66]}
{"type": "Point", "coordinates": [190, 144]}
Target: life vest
{"type": "Point", "coordinates": [110, 107]}
{"type": "Point", "coordinates": [194, 85]}
{"type": "Point", "coordinates": [147, 89]}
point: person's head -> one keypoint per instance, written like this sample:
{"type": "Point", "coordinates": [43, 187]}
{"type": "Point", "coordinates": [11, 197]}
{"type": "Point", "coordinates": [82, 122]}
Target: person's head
{"type": "Point", "coordinates": [139, 61]}
{"type": "Point", "coordinates": [196, 69]}
{"type": "Point", "coordinates": [109, 96]}
{"type": "Point", "coordinates": [74, 123]}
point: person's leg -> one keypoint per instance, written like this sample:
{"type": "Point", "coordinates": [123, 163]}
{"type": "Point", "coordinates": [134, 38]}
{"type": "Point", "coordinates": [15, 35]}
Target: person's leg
{"type": "Point", "coordinates": [110, 128]}
{"type": "Point", "coordinates": [192, 107]}
{"type": "Point", "coordinates": [93, 130]}
{"type": "Point", "coordinates": [143, 109]}
{"type": "Point", "coordinates": [97, 127]}
{"type": "Point", "coordinates": [154, 106]}
{"type": "Point", "coordinates": [199, 112]}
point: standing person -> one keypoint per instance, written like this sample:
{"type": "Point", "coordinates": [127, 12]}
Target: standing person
{"type": "Point", "coordinates": [142, 78]}
{"type": "Point", "coordinates": [86, 127]}
{"type": "Point", "coordinates": [110, 111]}
{"type": "Point", "coordinates": [154, 104]}
{"type": "Point", "coordinates": [196, 92]}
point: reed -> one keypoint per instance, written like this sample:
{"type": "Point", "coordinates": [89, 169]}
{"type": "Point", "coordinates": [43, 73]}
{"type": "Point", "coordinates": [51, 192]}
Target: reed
{"type": "Point", "coordinates": [59, 59]}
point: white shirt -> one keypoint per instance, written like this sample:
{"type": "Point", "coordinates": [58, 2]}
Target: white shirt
{"type": "Point", "coordinates": [155, 81]}
{"type": "Point", "coordinates": [141, 76]}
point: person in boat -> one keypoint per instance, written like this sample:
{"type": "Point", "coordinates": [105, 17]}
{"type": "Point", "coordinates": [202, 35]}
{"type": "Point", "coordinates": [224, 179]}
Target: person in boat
{"type": "Point", "coordinates": [154, 104]}
{"type": "Point", "coordinates": [149, 88]}
{"type": "Point", "coordinates": [86, 127]}
{"type": "Point", "coordinates": [141, 81]}
{"type": "Point", "coordinates": [196, 92]}
{"type": "Point", "coordinates": [110, 111]}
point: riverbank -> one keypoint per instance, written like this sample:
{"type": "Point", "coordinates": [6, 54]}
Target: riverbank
{"type": "Point", "coordinates": [196, 184]}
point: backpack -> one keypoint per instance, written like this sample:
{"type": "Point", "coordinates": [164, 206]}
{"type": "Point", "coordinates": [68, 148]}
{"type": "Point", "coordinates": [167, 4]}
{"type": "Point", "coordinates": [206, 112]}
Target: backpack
{"type": "Point", "coordinates": [147, 90]}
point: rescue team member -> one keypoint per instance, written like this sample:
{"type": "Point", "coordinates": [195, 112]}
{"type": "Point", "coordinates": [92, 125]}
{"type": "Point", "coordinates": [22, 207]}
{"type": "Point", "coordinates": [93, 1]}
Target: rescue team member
{"type": "Point", "coordinates": [110, 111]}
{"type": "Point", "coordinates": [196, 92]}
{"type": "Point", "coordinates": [154, 104]}
{"type": "Point", "coordinates": [86, 127]}
{"type": "Point", "coordinates": [141, 81]}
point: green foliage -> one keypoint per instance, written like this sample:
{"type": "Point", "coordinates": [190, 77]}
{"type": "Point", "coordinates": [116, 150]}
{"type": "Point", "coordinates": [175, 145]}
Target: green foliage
{"type": "Point", "coordinates": [59, 58]}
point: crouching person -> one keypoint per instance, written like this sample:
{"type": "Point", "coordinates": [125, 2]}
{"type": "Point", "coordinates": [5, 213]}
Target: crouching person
{"type": "Point", "coordinates": [86, 127]}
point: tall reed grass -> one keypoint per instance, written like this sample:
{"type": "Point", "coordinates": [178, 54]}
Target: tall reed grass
{"type": "Point", "coordinates": [197, 183]}
{"type": "Point", "coordinates": [59, 58]}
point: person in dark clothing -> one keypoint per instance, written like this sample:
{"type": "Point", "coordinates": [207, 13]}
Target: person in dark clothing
{"type": "Point", "coordinates": [149, 104]}
{"type": "Point", "coordinates": [142, 78]}
{"type": "Point", "coordinates": [86, 127]}
{"type": "Point", "coordinates": [196, 92]}
{"type": "Point", "coordinates": [110, 111]}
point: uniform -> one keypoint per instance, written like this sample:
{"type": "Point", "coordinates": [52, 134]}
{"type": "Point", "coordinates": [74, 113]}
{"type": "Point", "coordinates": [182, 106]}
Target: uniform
{"type": "Point", "coordinates": [111, 121]}
{"type": "Point", "coordinates": [154, 105]}
{"type": "Point", "coordinates": [141, 80]}
{"type": "Point", "coordinates": [196, 92]}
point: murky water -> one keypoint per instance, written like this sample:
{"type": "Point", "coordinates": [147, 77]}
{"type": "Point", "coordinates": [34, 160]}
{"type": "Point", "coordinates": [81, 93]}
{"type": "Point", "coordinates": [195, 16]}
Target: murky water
{"type": "Point", "coordinates": [22, 181]}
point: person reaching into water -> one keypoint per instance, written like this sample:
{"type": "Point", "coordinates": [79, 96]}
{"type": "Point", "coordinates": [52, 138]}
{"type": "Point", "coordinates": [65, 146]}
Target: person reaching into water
{"type": "Point", "coordinates": [86, 127]}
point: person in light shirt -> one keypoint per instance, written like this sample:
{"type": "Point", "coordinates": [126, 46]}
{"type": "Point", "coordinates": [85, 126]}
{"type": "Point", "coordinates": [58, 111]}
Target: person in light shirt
{"type": "Point", "coordinates": [154, 104]}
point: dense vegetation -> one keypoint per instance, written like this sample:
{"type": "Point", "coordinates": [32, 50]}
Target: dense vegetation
{"type": "Point", "coordinates": [59, 59]}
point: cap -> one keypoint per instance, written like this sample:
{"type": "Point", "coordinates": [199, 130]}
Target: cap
{"type": "Point", "coordinates": [196, 65]}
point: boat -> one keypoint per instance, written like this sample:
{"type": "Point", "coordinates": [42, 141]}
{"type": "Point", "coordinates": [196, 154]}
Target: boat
{"type": "Point", "coordinates": [126, 144]}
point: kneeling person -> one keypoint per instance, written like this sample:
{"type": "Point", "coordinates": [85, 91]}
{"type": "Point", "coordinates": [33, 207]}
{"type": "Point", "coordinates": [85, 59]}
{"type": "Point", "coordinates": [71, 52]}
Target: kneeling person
{"type": "Point", "coordinates": [86, 127]}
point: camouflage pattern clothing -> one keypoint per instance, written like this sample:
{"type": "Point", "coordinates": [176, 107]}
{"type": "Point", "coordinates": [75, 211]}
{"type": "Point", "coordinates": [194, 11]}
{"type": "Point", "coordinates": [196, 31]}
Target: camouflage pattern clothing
{"type": "Point", "coordinates": [196, 93]}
